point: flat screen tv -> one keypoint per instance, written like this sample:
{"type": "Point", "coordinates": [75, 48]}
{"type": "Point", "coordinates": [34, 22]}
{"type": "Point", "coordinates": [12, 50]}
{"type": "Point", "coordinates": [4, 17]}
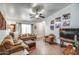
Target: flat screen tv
{"type": "Point", "coordinates": [69, 33]}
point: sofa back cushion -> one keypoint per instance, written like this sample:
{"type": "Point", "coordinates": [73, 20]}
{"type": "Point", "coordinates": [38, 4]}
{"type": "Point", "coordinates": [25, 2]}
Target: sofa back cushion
{"type": "Point", "coordinates": [2, 48]}
{"type": "Point", "coordinates": [8, 42]}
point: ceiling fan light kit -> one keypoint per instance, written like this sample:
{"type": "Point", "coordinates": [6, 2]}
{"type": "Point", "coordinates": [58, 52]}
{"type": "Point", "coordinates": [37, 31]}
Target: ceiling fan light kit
{"type": "Point", "coordinates": [36, 12]}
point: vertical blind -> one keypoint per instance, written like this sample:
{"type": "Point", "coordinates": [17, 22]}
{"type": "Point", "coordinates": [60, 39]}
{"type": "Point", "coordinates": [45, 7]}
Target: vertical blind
{"type": "Point", "coordinates": [26, 28]}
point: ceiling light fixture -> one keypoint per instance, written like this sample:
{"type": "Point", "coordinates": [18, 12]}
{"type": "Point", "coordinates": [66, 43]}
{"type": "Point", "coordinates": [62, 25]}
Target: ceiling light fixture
{"type": "Point", "coordinates": [35, 4]}
{"type": "Point", "coordinates": [11, 10]}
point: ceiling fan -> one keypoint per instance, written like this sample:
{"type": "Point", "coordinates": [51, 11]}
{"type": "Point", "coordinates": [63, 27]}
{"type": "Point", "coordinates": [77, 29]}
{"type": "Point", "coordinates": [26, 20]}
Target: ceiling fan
{"type": "Point", "coordinates": [37, 12]}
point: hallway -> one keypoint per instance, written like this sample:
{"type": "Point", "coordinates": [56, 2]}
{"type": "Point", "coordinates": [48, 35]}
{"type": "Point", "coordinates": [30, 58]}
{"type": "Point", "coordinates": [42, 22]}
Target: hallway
{"type": "Point", "coordinates": [43, 48]}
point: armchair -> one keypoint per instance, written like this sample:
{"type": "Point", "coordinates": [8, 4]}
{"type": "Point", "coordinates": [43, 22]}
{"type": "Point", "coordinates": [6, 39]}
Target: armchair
{"type": "Point", "coordinates": [50, 38]}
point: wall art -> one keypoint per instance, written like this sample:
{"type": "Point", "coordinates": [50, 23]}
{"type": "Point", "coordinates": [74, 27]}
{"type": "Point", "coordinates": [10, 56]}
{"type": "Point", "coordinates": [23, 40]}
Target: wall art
{"type": "Point", "coordinates": [58, 25]}
{"type": "Point", "coordinates": [52, 22]}
{"type": "Point", "coordinates": [12, 27]}
{"type": "Point", "coordinates": [66, 16]}
{"type": "Point", "coordinates": [58, 19]}
{"type": "Point", "coordinates": [52, 27]}
{"type": "Point", "coordinates": [58, 22]}
{"type": "Point", "coordinates": [66, 23]}
{"type": "Point", "coordinates": [2, 22]}
{"type": "Point", "coordinates": [66, 19]}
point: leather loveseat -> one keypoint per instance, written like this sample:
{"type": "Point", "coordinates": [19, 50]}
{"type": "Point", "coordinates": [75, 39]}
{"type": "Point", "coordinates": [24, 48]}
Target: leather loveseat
{"type": "Point", "coordinates": [8, 46]}
{"type": "Point", "coordinates": [50, 38]}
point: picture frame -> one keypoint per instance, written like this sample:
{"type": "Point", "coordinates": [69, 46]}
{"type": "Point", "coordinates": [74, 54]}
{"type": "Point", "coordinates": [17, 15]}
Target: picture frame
{"type": "Point", "coordinates": [58, 22]}
{"type": "Point", "coordinates": [2, 22]}
{"type": "Point", "coordinates": [58, 19]}
{"type": "Point", "coordinates": [66, 16]}
{"type": "Point", "coordinates": [52, 22]}
{"type": "Point", "coordinates": [52, 27]}
{"type": "Point", "coordinates": [13, 27]}
{"type": "Point", "coordinates": [35, 27]}
{"type": "Point", "coordinates": [58, 25]}
{"type": "Point", "coordinates": [66, 23]}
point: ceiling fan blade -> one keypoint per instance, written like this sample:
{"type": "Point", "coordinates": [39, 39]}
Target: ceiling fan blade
{"type": "Point", "coordinates": [42, 16]}
{"type": "Point", "coordinates": [32, 15]}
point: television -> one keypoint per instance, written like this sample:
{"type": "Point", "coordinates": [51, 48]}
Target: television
{"type": "Point", "coordinates": [69, 33]}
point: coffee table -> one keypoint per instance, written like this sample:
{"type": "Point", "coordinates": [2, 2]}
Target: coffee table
{"type": "Point", "coordinates": [31, 44]}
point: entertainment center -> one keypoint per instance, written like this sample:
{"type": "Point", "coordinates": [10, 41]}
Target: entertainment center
{"type": "Point", "coordinates": [69, 35]}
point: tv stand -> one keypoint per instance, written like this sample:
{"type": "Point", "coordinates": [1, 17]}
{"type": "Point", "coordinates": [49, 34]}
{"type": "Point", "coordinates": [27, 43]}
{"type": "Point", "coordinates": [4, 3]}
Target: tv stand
{"type": "Point", "coordinates": [69, 35]}
{"type": "Point", "coordinates": [65, 40]}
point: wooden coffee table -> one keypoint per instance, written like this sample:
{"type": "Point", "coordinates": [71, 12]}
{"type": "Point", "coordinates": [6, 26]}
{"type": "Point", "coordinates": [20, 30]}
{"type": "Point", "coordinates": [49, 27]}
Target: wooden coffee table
{"type": "Point", "coordinates": [31, 44]}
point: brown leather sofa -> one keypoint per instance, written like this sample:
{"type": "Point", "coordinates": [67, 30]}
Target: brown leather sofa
{"type": "Point", "coordinates": [69, 50]}
{"type": "Point", "coordinates": [50, 38]}
{"type": "Point", "coordinates": [26, 37]}
{"type": "Point", "coordinates": [77, 50]}
{"type": "Point", "coordinates": [8, 46]}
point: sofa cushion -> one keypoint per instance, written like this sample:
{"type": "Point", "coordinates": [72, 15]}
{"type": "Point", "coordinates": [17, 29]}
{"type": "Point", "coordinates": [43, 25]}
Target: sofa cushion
{"type": "Point", "coordinates": [2, 48]}
{"type": "Point", "coordinates": [8, 42]}
{"type": "Point", "coordinates": [69, 50]}
{"type": "Point", "coordinates": [15, 49]}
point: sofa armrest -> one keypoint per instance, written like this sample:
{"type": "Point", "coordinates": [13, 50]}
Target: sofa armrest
{"type": "Point", "coordinates": [22, 52]}
{"type": "Point", "coordinates": [15, 49]}
{"type": "Point", "coordinates": [17, 44]}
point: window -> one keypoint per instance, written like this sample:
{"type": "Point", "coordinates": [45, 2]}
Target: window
{"type": "Point", "coordinates": [26, 28]}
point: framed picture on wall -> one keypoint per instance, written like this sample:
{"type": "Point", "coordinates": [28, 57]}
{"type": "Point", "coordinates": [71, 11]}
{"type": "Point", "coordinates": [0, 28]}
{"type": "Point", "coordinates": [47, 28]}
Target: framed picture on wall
{"type": "Point", "coordinates": [58, 25]}
{"type": "Point", "coordinates": [35, 27]}
{"type": "Point", "coordinates": [52, 27]}
{"type": "Point", "coordinates": [2, 22]}
{"type": "Point", "coordinates": [66, 16]}
{"type": "Point", "coordinates": [52, 22]}
{"type": "Point", "coordinates": [58, 22]}
{"type": "Point", "coordinates": [13, 27]}
{"type": "Point", "coordinates": [66, 23]}
{"type": "Point", "coordinates": [58, 19]}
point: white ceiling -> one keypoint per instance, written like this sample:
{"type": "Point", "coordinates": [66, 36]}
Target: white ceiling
{"type": "Point", "coordinates": [20, 11]}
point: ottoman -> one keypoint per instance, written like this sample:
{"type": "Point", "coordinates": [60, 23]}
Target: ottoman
{"type": "Point", "coordinates": [31, 44]}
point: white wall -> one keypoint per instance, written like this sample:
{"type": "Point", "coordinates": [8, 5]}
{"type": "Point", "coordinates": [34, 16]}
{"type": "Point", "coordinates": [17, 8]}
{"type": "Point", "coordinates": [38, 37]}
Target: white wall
{"type": "Point", "coordinates": [40, 28]}
{"type": "Point", "coordinates": [43, 28]}
{"type": "Point", "coordinates": [4, 33]}
{"type": "Point", "coordinates": [74, 20]}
